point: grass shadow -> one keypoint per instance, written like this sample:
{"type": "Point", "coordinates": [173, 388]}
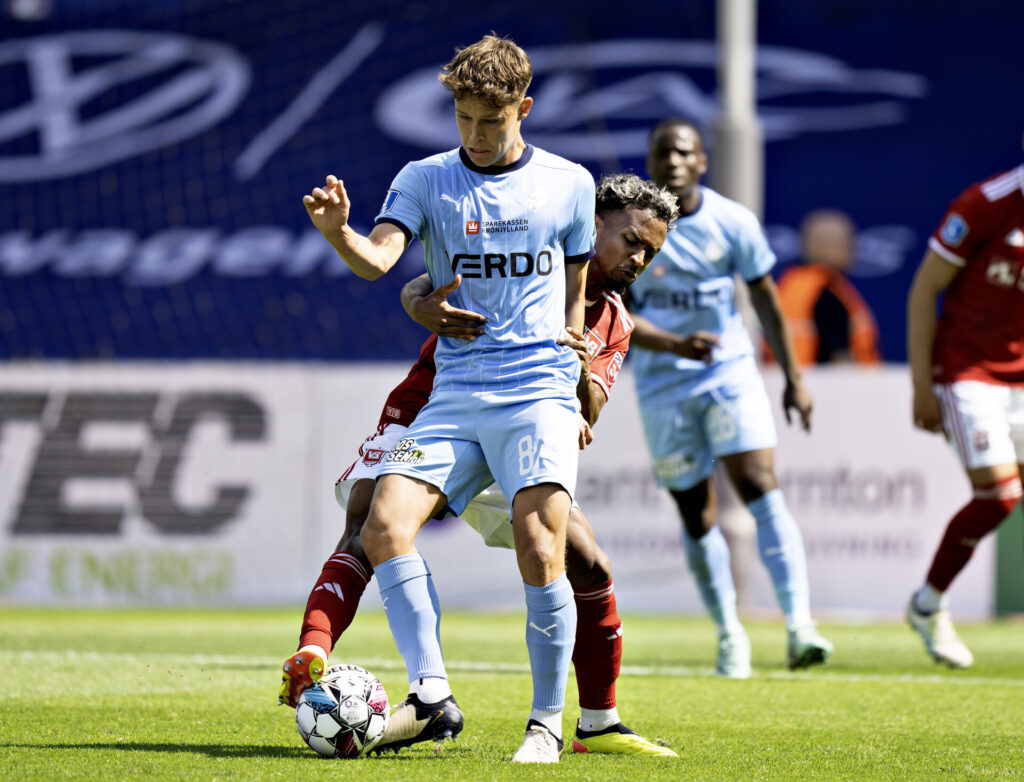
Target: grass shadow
{"type": "Point", "coordinates": [241, 750]}
{"type": "Point", "coordinates": [210, 750]}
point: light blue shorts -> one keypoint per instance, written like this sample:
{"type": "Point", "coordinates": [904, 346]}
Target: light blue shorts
{"type": "Point", "coordinates": [461, 443]}
{"type": "Point", "coordinates": [685, 439]}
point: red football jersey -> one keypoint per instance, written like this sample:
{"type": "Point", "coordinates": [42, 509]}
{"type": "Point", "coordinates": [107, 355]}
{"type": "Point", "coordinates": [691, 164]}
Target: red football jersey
{"type": "Point", "coordinates": [607, 327]}
{"type": "Point", "coordinates": [407, 398]}
{"type": "Point", "coordinates": [980, 333]}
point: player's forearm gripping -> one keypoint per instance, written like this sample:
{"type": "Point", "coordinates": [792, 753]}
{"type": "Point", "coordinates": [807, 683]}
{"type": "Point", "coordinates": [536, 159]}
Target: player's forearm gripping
{"type": "Point", "coordinates": [591, 397]}
{"type": "Point", "coordinates": [430, 308]}
{"type": "Point", "coordinates": [413, 292]}
{"type": "Point", "coordinates": [369, 257]}
{"type": "Point", "coordinates": [575, 303]}
{"type": "Point", "coordinates": [590, 394]}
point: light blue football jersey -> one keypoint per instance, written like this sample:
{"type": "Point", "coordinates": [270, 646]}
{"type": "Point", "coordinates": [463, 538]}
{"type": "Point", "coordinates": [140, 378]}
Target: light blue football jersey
{"type": "Point", "coordinates": [509, 231]}
{"type": "Point", "coordinates": [691, 286]}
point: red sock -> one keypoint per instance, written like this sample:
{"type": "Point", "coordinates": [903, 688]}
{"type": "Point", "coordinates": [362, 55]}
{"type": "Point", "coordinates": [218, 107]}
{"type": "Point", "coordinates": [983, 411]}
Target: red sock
{"type": "Point", "coordinates": [333, 602]}
{"type": "Point", "coordinates": [598, 650]}
{"type": "Point", "coordinates": [991, 504]}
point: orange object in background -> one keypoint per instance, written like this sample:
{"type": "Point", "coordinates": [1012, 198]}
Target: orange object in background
{"type": "Point", "coordinates": [829, 320]}
{"type": "Point", "coordinates": [800, 290]}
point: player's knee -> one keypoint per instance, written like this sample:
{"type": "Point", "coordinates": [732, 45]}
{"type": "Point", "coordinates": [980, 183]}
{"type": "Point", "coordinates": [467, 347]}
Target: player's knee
{"type": "Point", "coordinates": [697, 509]}
{"type": "Point", "coordinates": [697, 524]}
{"type": "Point", "coordinates": [379, 541]}
{"type": "Point", "coordinates": [588, 567]}
{"type": "Point", "coordinates": [988, 507]}
{"type": "Point", "coordinates": [353, 545]}
{"type": "Point", "coordinates": [538, 558]}
{"type": "Point", "coordinates": [601, 567]}
{"type": "Point", "coordinates": [755, 481]}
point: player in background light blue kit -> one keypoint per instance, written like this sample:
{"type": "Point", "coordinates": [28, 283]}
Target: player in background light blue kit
{"type": "Point", "coordinates": [517, 225]}
{"type": "Point", "coordinates": [695, 413]}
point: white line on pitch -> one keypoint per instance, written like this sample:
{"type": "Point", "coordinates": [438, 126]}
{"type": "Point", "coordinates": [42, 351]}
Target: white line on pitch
{"type": "Point", "coordinates": [470, 666]}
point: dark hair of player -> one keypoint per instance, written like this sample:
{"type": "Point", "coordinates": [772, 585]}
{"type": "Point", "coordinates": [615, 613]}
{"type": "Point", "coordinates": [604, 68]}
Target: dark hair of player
{"type": "Point", "coordinates": [674, 122]}
{"type": "Point", "coordinates": [620, 191]}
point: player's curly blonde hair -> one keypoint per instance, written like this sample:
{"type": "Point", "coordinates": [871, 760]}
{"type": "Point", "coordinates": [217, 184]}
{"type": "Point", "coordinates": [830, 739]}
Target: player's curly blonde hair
{"type": "Point", "coordinates": [494, 70]}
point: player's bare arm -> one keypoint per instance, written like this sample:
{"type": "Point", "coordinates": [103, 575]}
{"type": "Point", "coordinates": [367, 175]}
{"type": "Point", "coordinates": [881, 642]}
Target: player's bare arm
{"type": "Point", "coordinates": [590, 394]}
{"type": "Point", "coordinates": [698, 346]}
{"type": "Point", "coordinates": [575, 303]}
{"type": "Point", "coordinates": [764, 297]}
{"type": "Point", "coordinates": [369, 257]}
{"type": "Point", "coordinates": [430, 308]}
{"type": "Point", "coordinates": [933, 276]}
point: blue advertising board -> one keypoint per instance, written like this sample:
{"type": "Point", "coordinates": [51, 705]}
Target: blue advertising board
{"type": "Point", "coordinates": [153, 155]}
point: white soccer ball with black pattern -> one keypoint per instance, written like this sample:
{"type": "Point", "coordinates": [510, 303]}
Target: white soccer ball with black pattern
{"type": "Point", "coordinates": [344, 714]}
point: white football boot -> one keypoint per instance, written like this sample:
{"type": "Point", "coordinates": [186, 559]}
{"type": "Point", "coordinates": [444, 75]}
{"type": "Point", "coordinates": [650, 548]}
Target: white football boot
{"type": "Point", "coordinates": [539, 746]}
{"type": "Point", "coordinates": [805, 647]}
{"type": "Point", "coordinates": [939, 636]}
{"type": "Point", "coordinates": [733, 655]}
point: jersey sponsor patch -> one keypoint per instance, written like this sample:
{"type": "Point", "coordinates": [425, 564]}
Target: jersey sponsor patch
{"type": "Point", "coordinates": [615, 366]}
{"type": "Point", "coordinates": [472, 227]}
{"type": "Point", "coordinates": [954, 230]}
{"type": "Point", "coordinates": [389, 201]}
{"type": "Point", "coordinates": [392, 412]}
{"type": "Point", "coordinates": [595, 344]}
{"type": "Point", "coordinates": [1002, 273]}
{"type": "Point", "coordinates": [405, 452]}
{"type": "Point", "coordinates": [373, 455]}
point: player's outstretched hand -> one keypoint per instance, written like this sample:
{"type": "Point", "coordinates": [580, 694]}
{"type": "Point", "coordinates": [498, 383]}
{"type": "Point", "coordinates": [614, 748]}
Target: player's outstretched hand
{"type": "Point", "coordinates": [434, 312]}
{"type": "Point", "coordinates": [927, 411]}
{"type": "Point", "coordinates": [575, 340]}
{"type": "Point", "coordinates": [797, 397]}
{"type": "Point", "coordinates": [586, 433]}
{"type": "Point", "coordinates": [328, 206]}
{"type": "Point", "coordinates": [697, 346]}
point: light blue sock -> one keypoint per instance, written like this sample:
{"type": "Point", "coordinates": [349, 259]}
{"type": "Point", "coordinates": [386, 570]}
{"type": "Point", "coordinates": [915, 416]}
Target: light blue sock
{"type": "Point", "coordinates": [782, 550]}
{"type": "Point", "coordinates": [550, 635]}
{"type": "Point", "coordinates": [708, 558]}
{"type": "Point", "coordinates": [405, 587]}
{"type": "Point", "coordinates": [435, 603]}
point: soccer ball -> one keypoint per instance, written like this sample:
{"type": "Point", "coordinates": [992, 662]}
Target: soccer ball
{"type": "Point", "coordinates": [344, 714]}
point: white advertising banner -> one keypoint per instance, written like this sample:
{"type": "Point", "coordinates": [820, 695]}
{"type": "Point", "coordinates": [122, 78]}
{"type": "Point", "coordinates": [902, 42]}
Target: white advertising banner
{"type": "Point", "coordinates": [203, 483]}
{"type": "Point", "coordinates": [153, 483]}
{"type": "Point", "coordinates": [871, 494]}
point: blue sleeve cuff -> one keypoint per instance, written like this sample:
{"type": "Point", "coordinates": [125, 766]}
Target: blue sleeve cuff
{"type": "Point", "coordinates": [582, 258]}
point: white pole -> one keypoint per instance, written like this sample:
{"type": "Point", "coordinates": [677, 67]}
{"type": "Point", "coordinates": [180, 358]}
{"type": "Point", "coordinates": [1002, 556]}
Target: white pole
{"type": "Point", "coordinates": [736, 170]}
{"type": "Point", "coordinates": [737, 157]}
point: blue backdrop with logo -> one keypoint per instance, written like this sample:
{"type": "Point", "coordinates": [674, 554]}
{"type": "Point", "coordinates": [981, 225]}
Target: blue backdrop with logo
{"type": "Point", "coordinates": [153, 155]}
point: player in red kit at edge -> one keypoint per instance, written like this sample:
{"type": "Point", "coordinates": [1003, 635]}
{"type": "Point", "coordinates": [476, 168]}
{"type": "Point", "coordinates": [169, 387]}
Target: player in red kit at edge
{"type": "Point", "coordinates": [968, 377]}
{"type": "Point", "coordinates": [633, 217]}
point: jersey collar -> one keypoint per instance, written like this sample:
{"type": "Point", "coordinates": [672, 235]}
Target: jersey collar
{"type": "Point", "coordinates": [523, 160]}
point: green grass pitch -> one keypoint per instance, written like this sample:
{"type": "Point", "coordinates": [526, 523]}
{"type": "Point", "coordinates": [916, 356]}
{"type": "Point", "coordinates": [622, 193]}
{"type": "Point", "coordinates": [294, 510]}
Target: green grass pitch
{"type": "Point", "coordinates": [173, 694]}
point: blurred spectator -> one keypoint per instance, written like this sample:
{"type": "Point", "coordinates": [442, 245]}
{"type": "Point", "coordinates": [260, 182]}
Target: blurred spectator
{"type": "Point", "coordinates": [830, 321]}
